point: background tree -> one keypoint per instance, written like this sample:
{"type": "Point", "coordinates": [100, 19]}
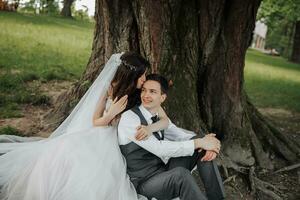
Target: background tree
{"type": "Point", "coordinates": [66, 11]}
{"type": "Point", "coordinates": [29, 7]}
{"type": "Point", "coordinates": [283, 20]}
{"type": "Point", "coordinates": [82, 14]}
{"type": "Point", "coordinates": [49, 7]}
{"type": "Point", "coordinates": [6, 5]}
{"type": "Point", "coordinates": [201, 47]}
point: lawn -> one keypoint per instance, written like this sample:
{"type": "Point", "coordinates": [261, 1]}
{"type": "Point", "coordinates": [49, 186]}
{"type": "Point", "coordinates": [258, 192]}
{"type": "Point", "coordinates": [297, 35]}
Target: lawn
{"type": "Point", "coordinates": [49, 47]}
{"type": "Point", "coordinates": [38, 48]}
{"type": "Point", "coordinates": [272, 82]}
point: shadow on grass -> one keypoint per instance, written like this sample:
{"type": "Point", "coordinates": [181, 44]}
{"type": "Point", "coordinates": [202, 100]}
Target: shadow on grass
{"type": "Point", "coordinates": [14, 91]}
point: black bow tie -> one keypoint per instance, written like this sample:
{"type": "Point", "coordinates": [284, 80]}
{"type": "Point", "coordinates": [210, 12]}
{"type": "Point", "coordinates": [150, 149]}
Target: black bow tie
{"type": "Point", "coordinates": [155, 119]}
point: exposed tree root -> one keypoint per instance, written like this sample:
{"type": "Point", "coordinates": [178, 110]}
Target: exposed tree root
{"type": "Point", "coordinates": [268, 192]}
{"type": "Point", "coordinates": [225, 171]}
{"type": "Point", "coordinates": [269, 189]}
{"type": "Point", "coordinates": [231, 178]}
{"type": "Point", "coordinates": [287, 168]}
{"type": "Point", "coordinates": [261, 156]}
{"type": "Point", "coordinates": [255, 184]}
{"type": "Point", "coordinates": [226, 163]}
{"type": "Point", "coordinates": [268, 137]}
{"type": "Point", "coordinates": [294, 146]}
{"type": "Point", "coordinates": [251, 179]}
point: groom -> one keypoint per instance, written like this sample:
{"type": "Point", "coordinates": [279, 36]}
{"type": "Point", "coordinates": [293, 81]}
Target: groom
{"type": "Point", "coordinates": [160, 166]}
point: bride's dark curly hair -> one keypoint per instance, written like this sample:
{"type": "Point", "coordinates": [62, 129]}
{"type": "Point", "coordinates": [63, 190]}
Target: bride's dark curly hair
{"type": "Point", "coordinates": [133, 66]}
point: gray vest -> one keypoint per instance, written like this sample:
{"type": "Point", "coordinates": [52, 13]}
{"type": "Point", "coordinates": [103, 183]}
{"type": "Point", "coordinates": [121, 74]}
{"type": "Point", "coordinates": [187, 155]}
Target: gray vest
{"type": "Point", "coordinates": [141, 164]}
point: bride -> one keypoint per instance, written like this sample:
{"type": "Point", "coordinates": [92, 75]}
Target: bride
{"type": "Point", "coordinates": [81, 159]}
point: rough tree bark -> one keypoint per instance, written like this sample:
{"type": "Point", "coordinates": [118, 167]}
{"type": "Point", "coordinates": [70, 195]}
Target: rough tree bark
{"type": "Point", "coordinates": [296, 44]}
{"type": "Point", "coordinates": [66, 11]}
{"type": "Point", "coordinates": [201, 46]}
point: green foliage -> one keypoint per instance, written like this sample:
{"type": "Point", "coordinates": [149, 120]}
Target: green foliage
{"type": "Point", "coordinates": [81, 14]}
{"type": "Point", "coordinates": [272, 81]}
{"type": "Point", "coordinates": [280, 37]}
{"type": "Point", "coordinates": [271, 10]}
{"type": "Point", "coordinates": [29, 7]}
{"type": "Point", "coordinates": [8, 130]}
{"type": "Point", "coordinates": [49, 7]}
{"type": "Point", "coordinates": [280, 17]}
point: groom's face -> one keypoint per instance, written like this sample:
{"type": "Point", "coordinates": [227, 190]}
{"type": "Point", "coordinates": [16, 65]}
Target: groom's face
{"type": "Point", "coordinates": [151, 95]}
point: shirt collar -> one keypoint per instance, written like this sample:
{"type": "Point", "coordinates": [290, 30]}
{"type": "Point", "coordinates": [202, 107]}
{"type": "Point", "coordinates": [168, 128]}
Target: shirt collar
{"type": "Point", "coordinates": [146, 113]}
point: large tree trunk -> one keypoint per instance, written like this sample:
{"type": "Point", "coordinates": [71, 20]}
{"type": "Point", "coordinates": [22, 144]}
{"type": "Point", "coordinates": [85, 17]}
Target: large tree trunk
{"type": "Point", "coordinates": [66, 11]}
{"type": "Point", "coordinates": [201, 47]}
{"type": "Point", "coordinates": [296, 44]}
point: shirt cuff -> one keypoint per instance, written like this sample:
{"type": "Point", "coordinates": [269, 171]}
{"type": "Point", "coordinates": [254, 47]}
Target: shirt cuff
{"type": "Point", "coordinates": [189, 145]}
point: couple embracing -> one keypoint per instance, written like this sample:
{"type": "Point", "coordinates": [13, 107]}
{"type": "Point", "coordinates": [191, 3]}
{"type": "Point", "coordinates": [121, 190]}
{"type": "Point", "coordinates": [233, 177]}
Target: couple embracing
{"type": "Point", "coordinates": [117, 142]}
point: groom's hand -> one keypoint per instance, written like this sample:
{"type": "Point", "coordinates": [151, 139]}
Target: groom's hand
{"type": "Point", "coordinates": [209, 156]}
{"type": "Point", "coordinates": [208, 142]}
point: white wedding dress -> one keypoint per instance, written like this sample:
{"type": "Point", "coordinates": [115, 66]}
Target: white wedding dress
{"type": "Point", "coordinates": [77, 162]}
{"type": "Point", "coordinates": [78, 166]}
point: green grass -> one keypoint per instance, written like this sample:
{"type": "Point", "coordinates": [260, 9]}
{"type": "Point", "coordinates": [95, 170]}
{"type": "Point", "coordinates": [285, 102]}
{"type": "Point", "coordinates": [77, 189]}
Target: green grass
{"type": "Point", "coordinates": [8, 130]}
{"type": "Point", "coordinates": [272, 81]}
{"type": "Point", "coordinates": [39, 48]}
{"type": "Point", "coordinates": [48, 47]}
{"type": "Point", "coordinates": [15, 91]}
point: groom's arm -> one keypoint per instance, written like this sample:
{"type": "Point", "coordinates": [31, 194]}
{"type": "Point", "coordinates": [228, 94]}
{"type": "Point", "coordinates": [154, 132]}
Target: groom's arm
{"type": "Point", "coordinates": [163, 149]}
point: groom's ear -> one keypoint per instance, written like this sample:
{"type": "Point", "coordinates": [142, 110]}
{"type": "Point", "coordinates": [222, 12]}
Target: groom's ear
{"type": "Point", "coordinates": [163, 97]}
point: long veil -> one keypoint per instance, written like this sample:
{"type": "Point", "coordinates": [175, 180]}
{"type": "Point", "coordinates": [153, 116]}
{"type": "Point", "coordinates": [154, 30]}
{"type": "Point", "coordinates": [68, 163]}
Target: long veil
{"type": "Point", "coordinates": [24, 158]}
{"type": "Point", "coordinates": [80, 119]}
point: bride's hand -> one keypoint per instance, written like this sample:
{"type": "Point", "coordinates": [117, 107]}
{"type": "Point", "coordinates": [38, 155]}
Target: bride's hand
{"type": "Point", "coordinates": [117, 106]}
{"type": "Point", "coordinates": [142, 133]}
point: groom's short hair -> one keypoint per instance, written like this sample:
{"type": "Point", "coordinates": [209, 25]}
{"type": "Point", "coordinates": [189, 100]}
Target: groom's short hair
{"type": "Point", "coordinates": [164, 85]}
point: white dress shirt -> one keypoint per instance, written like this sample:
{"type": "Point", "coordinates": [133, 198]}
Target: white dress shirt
{"type": "Point", "coordinates": [177, 141]}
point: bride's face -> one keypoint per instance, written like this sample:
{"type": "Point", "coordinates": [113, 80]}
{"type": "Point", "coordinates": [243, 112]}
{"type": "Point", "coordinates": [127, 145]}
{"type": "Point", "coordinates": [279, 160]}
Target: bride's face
{"type": "Point", "coordinates": [141, 81]}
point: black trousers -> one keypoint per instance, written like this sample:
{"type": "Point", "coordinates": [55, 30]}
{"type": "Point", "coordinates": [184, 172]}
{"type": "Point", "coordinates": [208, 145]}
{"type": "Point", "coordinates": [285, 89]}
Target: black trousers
{"type": "Point", "coordinates": [177, 180]}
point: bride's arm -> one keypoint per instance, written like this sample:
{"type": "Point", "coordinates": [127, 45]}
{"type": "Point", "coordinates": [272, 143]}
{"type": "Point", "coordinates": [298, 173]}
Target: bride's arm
{"type": "Point", "coordinates": [103, 119]}
{"type": "Point", "coordinates": [162, 124]}
{"type": "Point", "coordinates": [98, 118]}
{"type": "Point", "coordinates": [145, 131]}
